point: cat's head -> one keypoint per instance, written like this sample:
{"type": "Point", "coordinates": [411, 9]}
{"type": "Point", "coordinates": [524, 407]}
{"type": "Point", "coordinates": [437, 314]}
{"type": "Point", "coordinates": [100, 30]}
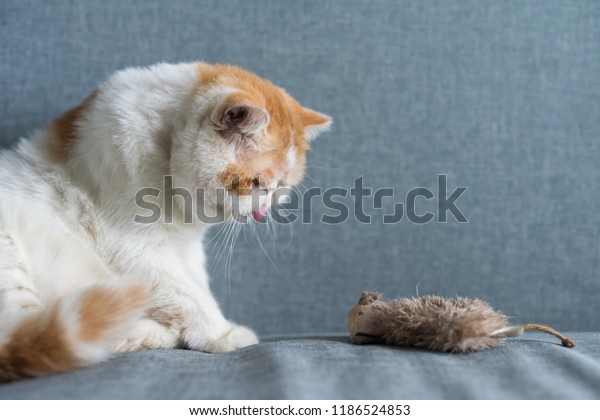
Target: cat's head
{"type": "Point", "coordinates": [242, 138]}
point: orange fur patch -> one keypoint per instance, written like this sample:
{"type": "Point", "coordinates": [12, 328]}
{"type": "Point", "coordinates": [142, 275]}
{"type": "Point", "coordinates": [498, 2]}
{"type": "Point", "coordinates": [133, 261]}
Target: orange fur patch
{"type": "Point", "coordinates": [37, 346]}
{"type": "Point", "coordinates": [41, 344]}
{"type": "Point", "coordinates": [288, 120]}
{"type": "Point", "coordinates": [64, 130]}
{"type": "Point", "coordinates": [101, 309]}
{"type": "Point", "coordinates": [166, 316]}
{"type": "Point", "coordinates": [240, 178]}
{"type": "Point", "coordinates": [283, 109]}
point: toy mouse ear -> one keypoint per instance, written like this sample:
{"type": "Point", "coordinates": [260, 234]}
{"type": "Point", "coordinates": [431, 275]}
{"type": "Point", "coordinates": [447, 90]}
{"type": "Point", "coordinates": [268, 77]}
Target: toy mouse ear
{"type": "Point", "coordinates": [367, 298]}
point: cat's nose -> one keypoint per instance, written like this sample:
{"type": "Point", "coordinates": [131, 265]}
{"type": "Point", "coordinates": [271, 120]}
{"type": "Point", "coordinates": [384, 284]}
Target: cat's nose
{"type": "Point", "coordinates": [256, 185]}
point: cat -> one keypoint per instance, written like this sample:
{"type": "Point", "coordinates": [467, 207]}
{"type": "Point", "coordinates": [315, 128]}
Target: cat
{"type": "Point", "coordinates": [80, 279]}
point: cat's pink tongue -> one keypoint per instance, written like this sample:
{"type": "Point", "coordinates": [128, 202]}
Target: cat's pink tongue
{"type": "Point", "coordinates": [260, 213]}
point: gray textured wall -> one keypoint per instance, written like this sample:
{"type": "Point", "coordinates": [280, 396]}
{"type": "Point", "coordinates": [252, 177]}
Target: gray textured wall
{"type": "Point", "coordinates": [504, 97]}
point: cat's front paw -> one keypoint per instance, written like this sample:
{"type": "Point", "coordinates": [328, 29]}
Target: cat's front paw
{"type": "Point", "coordinates": [234, 339]}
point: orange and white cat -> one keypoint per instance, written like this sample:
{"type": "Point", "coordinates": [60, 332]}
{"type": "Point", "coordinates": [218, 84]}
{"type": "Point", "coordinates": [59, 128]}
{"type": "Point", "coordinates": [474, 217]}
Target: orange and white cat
{"type": "Point", "coordinates": [79, 278]}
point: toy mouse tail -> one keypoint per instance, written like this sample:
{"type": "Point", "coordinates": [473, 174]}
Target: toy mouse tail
{"type": "Point", "coordinates": [567, 342]}
{"type": "Point", "coordinates": [518, 330]}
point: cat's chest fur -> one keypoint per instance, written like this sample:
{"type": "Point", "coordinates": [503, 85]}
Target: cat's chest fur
{"type": "Point", "coordinates": [63, 236]}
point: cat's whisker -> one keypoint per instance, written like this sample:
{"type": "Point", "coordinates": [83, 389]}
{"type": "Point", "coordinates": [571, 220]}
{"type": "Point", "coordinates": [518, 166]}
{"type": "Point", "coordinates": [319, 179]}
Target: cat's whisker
{"type": "Point", "coordinates": [217, 235]}
{"type": "Point", "coordinates": [238, 229]}
{"type": "Point", "coordinates": [276, 230]}
{"type": "Point", "coordinates": [228, 249]}
{"type": "Point", "coordinates": [291, 225]}
{"type": "Point", "coordinates": [224, 238]}
{"type": "Point", "coordinates": [222, 244]}
{"type": "Point", "coordinates": [228, 253]}
{"type": "Point", "coordinates": [271, 224]}
{"type": "Point", "coordinates": [229, 256]}
{"type": "Point", "coordinates": [217, 240]}
{"type": "Point", "coordinates": [245, 237]}
{"type": "Point", "coordinates": [256, 234]}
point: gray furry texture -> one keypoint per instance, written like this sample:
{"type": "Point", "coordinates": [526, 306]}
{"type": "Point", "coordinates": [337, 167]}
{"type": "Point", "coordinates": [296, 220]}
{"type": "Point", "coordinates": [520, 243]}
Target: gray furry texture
{"type": "Point", "coordinates": [458, 325]}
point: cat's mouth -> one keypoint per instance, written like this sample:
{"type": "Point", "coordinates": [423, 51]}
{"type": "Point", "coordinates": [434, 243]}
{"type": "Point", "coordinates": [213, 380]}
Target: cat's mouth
{"type": "Point", "coordinates": [255, 206]}
{"type": "Point", "coordinates": [258, 214]}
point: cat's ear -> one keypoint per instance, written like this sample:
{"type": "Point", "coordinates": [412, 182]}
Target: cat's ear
{"type": "Point", "coordinates": [240, 118]}
{"type": "Point", "coordinates": [314, 123]}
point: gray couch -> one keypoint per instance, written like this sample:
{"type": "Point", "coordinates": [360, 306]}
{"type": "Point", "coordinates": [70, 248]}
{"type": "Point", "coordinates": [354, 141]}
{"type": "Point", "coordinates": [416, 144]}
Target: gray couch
{"type": "Point", "coordinates": [502, 97]}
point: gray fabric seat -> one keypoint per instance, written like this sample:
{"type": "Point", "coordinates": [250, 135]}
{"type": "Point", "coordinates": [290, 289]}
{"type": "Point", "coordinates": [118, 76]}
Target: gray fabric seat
{"type": "Point", "coordinates": [534, 367]}
{"type": "Point", "coordinates": [502, 97]}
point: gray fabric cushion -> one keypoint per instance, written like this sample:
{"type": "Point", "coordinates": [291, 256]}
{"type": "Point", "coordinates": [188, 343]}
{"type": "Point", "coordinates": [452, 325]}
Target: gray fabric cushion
{"type": "Point", "coordinates": [503, 97]}
{"type": "Point", "coordinates": [534, 366]}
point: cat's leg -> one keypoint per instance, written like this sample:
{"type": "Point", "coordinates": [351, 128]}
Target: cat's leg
{"type": "Point", "coordinates": [147, 334]}
{"type": "Point", "coordinates": [211, 331]}
{"type": "Point", "coordinates": [207, 329]}
{"type": "Point", "coordinates": [188, 307]}
{"type": "Point", "coordinates": [17, 292]}
{"type": "Point", "coordinates": [182, 302]}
